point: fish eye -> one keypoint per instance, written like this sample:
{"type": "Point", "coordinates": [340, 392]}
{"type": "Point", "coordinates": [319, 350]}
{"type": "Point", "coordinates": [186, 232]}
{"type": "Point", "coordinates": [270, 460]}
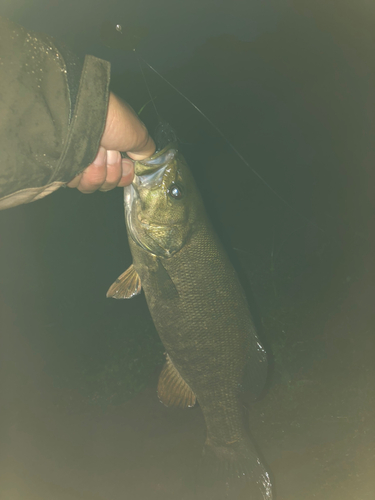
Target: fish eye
{"type": "Point", "coordinates": [175, 191]}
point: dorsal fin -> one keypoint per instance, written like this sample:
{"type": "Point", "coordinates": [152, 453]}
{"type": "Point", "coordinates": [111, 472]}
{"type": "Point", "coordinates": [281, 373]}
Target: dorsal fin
{"type": "Point", "coordinates": [172, 388]}
{"type": "Point", "coordinates": [126, 286]}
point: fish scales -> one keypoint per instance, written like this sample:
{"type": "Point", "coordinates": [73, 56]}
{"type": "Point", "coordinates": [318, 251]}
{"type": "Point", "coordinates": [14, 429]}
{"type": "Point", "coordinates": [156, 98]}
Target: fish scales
{"type": "Point", "coordinates": [200, 312]}
{"type": "Point", "coordinates": [204, 327]}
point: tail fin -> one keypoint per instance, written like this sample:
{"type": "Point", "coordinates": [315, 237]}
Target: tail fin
{"type": "Point", "coordinates": [232, 472]}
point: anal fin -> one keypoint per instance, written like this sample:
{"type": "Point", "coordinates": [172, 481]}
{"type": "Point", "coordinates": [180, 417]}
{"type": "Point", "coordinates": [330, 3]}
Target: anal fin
{"type": "Point", "coordinates": [126, 286]}
{"type": "Point", "coordinates": [172, 388]}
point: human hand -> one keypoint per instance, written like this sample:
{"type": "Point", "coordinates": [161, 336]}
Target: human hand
{"type": "Point", "coordinates": [123, 132]}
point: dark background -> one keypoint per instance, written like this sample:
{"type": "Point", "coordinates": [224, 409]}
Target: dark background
{"type": "Point", "coordinates": [291, 86]}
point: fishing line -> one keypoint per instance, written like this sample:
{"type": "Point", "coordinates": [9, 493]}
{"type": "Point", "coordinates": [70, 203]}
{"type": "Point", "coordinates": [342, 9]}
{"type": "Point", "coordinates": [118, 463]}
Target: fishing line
{"type": "Point", "coordinates": [118, 28]}
{"type": "Point", "coordinates": [147, 87]}
{"type": "Point", "coordinates": [140, 58]}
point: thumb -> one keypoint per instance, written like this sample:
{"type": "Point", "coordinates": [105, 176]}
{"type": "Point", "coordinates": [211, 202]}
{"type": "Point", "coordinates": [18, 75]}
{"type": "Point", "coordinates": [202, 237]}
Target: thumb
{"type": "Point", "coordinates": [124, 131]}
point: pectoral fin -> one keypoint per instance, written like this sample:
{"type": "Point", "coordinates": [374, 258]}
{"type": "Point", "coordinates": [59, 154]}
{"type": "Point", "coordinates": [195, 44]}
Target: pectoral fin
{"type": "Point", "coordinates": [126, 286]}
{"type": "Point", "coordinates": [172, 388]}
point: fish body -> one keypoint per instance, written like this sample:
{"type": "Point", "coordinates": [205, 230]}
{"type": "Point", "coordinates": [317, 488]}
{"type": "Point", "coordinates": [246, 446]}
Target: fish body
{"type": "Point", "coordinates": [201, 314]}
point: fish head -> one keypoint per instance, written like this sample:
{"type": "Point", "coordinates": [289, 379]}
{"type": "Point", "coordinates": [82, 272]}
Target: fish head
{"type": "Point", "coordinates": [159, 204]}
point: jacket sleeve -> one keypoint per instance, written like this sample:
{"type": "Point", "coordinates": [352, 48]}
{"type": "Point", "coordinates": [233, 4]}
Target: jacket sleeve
{"type": "Point", "coordinates": [52, 114]}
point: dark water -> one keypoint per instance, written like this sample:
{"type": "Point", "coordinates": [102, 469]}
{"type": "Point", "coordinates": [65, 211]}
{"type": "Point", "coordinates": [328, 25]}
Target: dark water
{"type": "Point", "coordinates": [291, 86]}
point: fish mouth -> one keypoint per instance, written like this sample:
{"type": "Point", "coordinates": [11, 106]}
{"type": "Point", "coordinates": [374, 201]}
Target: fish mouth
{"type": "Point", "coordinates": [154, 237]}
{"type": "Point", "coordinates": [159, 161]}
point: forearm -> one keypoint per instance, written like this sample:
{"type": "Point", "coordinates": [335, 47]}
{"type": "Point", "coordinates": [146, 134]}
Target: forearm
{"type": "Point", "coordinates": [52, 114]}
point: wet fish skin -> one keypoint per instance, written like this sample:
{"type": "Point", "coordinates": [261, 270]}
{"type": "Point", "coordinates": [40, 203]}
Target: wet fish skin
{"type": "Point", "coordinates": [202, 317]}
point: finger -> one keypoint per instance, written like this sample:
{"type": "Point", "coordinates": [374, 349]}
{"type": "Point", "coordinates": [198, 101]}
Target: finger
{"type": "Point", "coordinates": [93, 177]}
{"type": "Point", "coordinates": [127, 172]}
{"type": "Point", "coordinates": [114, 171]}
{"type": "Point", "coordinates": [75, 181]}
{"type": "Point", "coordinates": [147, 150]}
{"type": "Point", "coordinates": [124, 131]}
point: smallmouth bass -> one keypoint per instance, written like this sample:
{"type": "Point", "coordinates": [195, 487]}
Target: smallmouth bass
{"type": "Point", "coordinates": [201, 315]}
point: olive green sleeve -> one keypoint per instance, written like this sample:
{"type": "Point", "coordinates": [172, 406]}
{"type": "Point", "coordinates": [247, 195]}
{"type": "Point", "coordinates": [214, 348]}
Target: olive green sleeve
{"type": "Point", "coordinates": [52, 114]}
